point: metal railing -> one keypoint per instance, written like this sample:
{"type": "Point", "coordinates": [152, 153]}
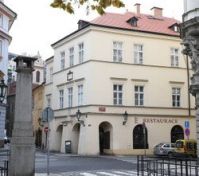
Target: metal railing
{"type": "Point", "coordinates": [4, 154]}
{"type": "Point", "coordinates": [3, 168]}
{"type": "Point", "coordinates": [167, 166]}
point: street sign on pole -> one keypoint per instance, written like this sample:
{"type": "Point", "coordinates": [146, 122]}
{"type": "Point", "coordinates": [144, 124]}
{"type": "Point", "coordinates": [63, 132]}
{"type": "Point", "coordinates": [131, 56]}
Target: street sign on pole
{"type": "Point", "coordinates": [186, 124]}
{"type": "Point", "coordinates": [187, 132]}
{"type": "Point", "coordinates": [47, 116]}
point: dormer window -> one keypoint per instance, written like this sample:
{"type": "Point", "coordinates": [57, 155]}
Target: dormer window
{"type": "Point", "coordinates": [82, 24]}
{"type": "Point", "coordinates": [175, 27]}
{"type": "Point", "coordinates": [133, 21]}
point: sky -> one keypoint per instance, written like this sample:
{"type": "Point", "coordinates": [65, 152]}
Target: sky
{"type": "Point", "coordinates": [38, 25]}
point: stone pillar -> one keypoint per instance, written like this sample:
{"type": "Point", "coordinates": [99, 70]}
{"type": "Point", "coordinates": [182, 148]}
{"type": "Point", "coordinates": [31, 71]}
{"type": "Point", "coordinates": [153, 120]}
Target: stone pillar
{"type": "Point", "coordinates": [22, 159]}
{"type": "Point", "coordinates": [190, 36]}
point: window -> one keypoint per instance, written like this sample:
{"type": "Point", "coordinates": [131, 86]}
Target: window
{"type": "Point", "coordinates": [70, 97]}
{"type": "Point", "coordinates": [139, 95]}
{"type": "Point", "coordinates": [138, 54]}
{"type": "Point", "coordinates": [81, 53]}
{"type": "Point", "coordinates": [61, 99]}
{"type": "Point", "coordinates": [51, 74]}
{"type": "Point", "coordinates": [174, 57]}
{"type": "Point", "coordinates": [80, 95]}
{"type": "Point", "coordinates": [37, 76]}
{"type": "Point", "coordinates": [117, 51]}
{"type": "Point", "coordinates": [48, 100]}
{"type": "Point", "coordinates": [176, 97]}
{"type": "Point", "coordinates": [71, 56]}
{"type": "Point", "coordinates": [62, 60]}
{"type": "Point", "coordinates": [117, 94]}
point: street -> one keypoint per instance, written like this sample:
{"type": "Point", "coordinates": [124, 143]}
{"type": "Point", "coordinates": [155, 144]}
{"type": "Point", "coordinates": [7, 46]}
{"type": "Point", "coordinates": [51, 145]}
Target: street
{"type": "Point", "coordinates": [74, 165]}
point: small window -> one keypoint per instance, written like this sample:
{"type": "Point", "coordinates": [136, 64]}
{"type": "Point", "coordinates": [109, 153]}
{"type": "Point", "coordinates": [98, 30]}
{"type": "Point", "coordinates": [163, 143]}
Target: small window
{"type": "Point", "coordinates": [62, 60]}
{"type": "Point", "coordinates": [133, 21]}
{"type": "Point", "coordinates": [81, 53]}
{"type": "Point", "coordinates": [138, 54]}
{"type": "Point", "coordinates": [37, 76]}
{"type": "Point", "coordinates": [117, 51]}
{"type": "Point", "coordinates": [174, 57]}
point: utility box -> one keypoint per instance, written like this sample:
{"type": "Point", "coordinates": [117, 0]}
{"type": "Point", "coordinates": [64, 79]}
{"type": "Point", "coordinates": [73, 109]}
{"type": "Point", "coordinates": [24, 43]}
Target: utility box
{"type": "Point", "coordinates": [68, 146]}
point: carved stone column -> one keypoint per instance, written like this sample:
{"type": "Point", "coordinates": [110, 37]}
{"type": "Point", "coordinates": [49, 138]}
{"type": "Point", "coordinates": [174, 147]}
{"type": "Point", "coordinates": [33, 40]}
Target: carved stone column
{"type": "Point", "coordinates": [190, 36]}
{"type": "Point", "coordinates": [22, 159]}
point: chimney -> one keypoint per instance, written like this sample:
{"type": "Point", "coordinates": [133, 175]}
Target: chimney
{"type": "Point", "coordinates": [137, 6]}
{"type": "Point", "coordinates": [157, 12]}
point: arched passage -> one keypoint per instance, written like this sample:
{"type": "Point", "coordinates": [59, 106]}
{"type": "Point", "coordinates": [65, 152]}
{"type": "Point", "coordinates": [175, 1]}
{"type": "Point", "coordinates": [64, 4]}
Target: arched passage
{"type": "Point", "coordinates": [177, 133]}
{"type": "Point", "coordinates": [140, 137]}
{"type": "Point", "coordinates": [75, 138]}
{"type": "Point", "coordinates": [59, 137]}
{"type": "Point", "coordinates": [105, 136]}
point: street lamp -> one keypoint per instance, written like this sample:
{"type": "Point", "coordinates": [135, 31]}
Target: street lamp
{"type": "Point", "coordinates": [3, 90]}
{"type": "Point", "coordinates": [78, 116]}
{"type": "Point", "coordinates": [125, 116]}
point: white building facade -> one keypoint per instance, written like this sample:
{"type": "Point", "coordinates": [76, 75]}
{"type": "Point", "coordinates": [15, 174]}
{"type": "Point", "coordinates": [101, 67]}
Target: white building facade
{"type": "Point", "coordinates": [7, 17]}
{"type": "Point", "coordinates": [118, 85]}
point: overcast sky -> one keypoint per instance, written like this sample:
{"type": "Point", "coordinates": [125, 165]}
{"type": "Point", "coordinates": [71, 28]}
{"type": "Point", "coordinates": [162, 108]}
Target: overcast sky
{"type": "Point", "coordinates": [38, 25]}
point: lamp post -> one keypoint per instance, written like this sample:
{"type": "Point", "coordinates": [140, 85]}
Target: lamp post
{"type": "Point", "coordinates": [125, 116]}
{"type": "Point", "coordinates": [78, 116]}
{"type": "Point", "coordinates": [3, 90]}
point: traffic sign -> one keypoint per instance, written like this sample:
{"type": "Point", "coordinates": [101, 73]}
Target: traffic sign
{"type": "Point", "coordinates": [187, 132]}
{"type": "Point", "coordinates": [186, 124]}
{"type": "Point", "coordinates": [46, 129]}
{"type": "Point", "coordinates": [47, 114]}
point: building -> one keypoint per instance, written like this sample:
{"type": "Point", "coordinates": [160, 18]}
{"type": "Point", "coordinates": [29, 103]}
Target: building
{"type": "Point", "coordinates": [118, 85]}
{"type": "Point", "coordinates": [7, 17]}
{"type": "Point", "coordinates": [38, 94]}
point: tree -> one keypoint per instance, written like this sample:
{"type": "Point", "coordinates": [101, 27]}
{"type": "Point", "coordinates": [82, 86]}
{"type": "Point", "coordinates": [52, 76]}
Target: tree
{"type": "Point", "coordinates": [98, 5]}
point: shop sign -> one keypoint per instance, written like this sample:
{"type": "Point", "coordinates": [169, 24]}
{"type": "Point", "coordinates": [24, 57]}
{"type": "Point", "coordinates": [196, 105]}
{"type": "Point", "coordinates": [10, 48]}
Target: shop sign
{"type": "Point", "coordinates": [160, 120]}
{"type": "Point", "coordinates": [102, 109]}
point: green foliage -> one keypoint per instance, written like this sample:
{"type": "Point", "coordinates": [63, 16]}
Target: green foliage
{"type": "Point", "coordinates": [98, 5]}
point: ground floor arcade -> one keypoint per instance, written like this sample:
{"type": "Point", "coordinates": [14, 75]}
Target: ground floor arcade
{"type": "Point", "coordinates": [99, 133]}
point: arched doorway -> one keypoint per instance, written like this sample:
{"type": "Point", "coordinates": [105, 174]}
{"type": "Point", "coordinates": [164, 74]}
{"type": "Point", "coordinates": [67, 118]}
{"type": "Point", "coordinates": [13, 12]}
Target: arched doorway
{"type": "Point", "coordinates": [75, 137]}
{"type": "Point", "coordinates": [140, 138]}
{"type": "Point", "coordinates": [176, 133]}
{"type": "Point", "coordinates": [105, 136]}
{"type": "Point", "coordinates": [59, 137]}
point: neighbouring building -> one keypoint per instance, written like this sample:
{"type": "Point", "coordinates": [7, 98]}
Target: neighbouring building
{"type": "Point", "coordinates": [7, 17]}
{"type": "Point", "coordinates": [38, 94]}
{"type": "Point", "coordinates": [118, 85]}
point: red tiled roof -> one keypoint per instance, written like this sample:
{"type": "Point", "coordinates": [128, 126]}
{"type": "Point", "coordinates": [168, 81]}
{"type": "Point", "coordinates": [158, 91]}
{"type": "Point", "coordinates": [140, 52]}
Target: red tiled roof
{"type": "Point", "coordinates": [146, 23]}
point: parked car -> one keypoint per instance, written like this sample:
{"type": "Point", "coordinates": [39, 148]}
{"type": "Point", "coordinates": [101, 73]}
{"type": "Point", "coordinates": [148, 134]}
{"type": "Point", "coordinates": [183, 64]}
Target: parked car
{"type": "Point", "coordinates": [164, 149]}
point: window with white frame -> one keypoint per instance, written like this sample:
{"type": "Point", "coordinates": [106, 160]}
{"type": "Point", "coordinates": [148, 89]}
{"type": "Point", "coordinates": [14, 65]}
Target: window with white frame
{"type": "Point", "coordinates": [71, 56]}
{"type": "Point", "coordinates": [139, 95]}
{"type": "Point", "coordinates": [48, 100]}
{"type": "Point", "coordinates": [176, 97]}
{"type": "Point", "coordinates": [138, 54]}
{"type": "Point", "coordinates": [61, 99]}
{"type": "Point", "coordinates": [81, 53]}
{"type": "Point", "coordinates": [51, 73]}
{"type": "Point", "coordinates": [62, 61]}
{"type": "Point", "coordinates": [70, 97]}
{"type": "Point", "coordinates": [117, 94]}
{"type": "Point", "coordinates": [174, 57]}
{"type": "Point", "coordinates": [80, 95]}
{"type": "Point", "coordinates": [117, 51]}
